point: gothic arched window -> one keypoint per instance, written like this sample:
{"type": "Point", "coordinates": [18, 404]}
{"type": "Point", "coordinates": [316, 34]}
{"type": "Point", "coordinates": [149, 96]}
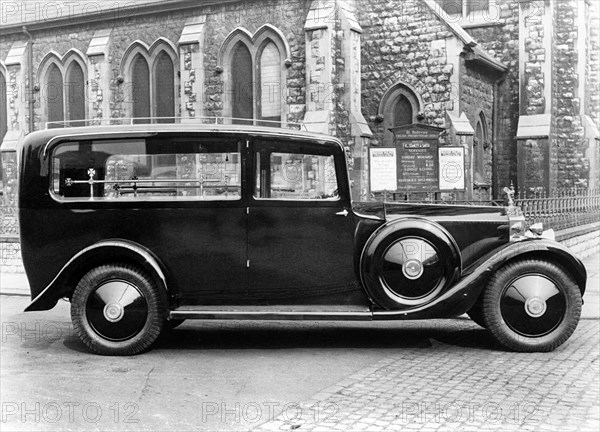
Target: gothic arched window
{"type": "Point", "coordinates": [403, 113]}
{"type": "Point", "coordinates": [399, 107]}
{"type": "Point", "coordinates": [150, 74]}
{"type": "Point", "coordinates": [164, 91]}
{"type": "Point", "coordinates": [140, 74]}
{"type": "Point", "coordinates": [54, 95]}
{"type": "Point", "coordinates": [255, 75]}
{"type": "Point", "coordinates": [3, 108]}
{"type": "Point", "coordinates": [242, 83]}
{"type": "Point", "coordinates": [479, 147]}
{"type": "Point", "coordinates": [270, 83]}
{"type": "Point", "coordinates": [75, 93]}
{"type": "Point", "coordinates": [63, 94]}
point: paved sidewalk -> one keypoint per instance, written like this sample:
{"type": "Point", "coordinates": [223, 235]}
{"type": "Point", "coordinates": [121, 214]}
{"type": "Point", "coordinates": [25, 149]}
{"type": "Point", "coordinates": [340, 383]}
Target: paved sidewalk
{"type": "Point", "coordinates": [14, 284]}
{"type": "Point", "coordinates": [449, 387]}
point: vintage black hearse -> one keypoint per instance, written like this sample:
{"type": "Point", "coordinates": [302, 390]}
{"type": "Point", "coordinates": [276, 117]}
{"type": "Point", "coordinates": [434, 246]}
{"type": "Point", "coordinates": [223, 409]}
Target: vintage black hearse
{"type": "Point", "coordinates": [141, 227]}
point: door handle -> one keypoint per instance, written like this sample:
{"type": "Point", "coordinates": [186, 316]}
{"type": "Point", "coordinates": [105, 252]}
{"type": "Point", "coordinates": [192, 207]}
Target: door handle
{"type": "Point", "coordinates": [343, 213]}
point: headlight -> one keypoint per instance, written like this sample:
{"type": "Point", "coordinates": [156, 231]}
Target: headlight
{"type": "Point", "coordinates": [537, 231]}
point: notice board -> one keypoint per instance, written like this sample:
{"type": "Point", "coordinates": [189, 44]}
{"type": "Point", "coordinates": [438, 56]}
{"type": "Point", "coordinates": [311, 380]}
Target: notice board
{"type": "Point", "coordinates": [452, 168]}
{"type": "Point", "coordinates": [384, 169]}
{"type": "Point", "coordinates": [418, 158]}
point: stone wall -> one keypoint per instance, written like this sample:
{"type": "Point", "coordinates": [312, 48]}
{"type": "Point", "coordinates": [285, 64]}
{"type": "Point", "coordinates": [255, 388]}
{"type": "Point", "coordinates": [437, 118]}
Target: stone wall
{"type": "Point", "coordinates": [584, 245]}
{"type": "Point", "coordinates": [534, 82]}
{"type": "Point", "coordinates": [567, 138]}
{"type": "Point", "coordinates": [477, 96]}
{"type": "Point", "coordinates": [404, 42]}
{"type": "Point", "coordinates": [500, 37]}
{"type": "Point", "coordinates": [592, 96]}
{"type": "Point", "coordinates": [287, 16]}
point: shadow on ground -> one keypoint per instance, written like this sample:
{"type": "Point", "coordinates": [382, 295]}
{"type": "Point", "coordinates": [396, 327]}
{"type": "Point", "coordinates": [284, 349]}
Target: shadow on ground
{"type": "Point", "coordinates": [236, 336]}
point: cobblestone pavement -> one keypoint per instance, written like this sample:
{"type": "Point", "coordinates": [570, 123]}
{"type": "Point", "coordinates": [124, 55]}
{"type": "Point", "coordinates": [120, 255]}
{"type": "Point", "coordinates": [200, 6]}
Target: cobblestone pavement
{"type": "Point", "coordinates": [462, 385]}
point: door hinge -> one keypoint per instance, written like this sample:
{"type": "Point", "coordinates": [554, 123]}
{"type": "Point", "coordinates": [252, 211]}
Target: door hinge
{"type": "Point", "coordinates": [247, 210]}
{"type": "Point", "coordinates": [248, 264]}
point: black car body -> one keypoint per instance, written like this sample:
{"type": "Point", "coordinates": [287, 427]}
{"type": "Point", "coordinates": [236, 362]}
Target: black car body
{"type": "Point", "coordinates": [232, 222]}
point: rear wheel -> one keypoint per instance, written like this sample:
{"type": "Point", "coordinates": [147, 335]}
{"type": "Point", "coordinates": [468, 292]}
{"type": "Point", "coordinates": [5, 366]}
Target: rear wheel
{"type": "Point", "coordinates": [531, 306]}
{"type": "Point", "coordinates": [118, 310]}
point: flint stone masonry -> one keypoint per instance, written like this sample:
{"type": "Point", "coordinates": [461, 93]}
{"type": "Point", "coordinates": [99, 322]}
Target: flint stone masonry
{"type": "Point", "coordinates": [585, 245]}
{"type": "Point", "coordinates": [397, 47]}
{"type": "Point", "coordinates": [568, 133]}
{"type": "Point", "coordinates": [592, 95]}
{"type": "Point", "coordinates": [500, 37]}
{"type": "Point", "coordinates": [536, 59]}
{"type": "Point", "coordinates": [477, 96]}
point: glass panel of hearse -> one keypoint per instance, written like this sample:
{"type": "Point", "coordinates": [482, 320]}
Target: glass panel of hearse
{"type": "Point", "coordinates": [141, 170]}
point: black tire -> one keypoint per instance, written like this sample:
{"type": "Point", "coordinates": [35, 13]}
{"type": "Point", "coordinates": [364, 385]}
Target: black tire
{"type": "Point", "coordinates": [531, 306]}
{"type": "Point", "coordinates": [476, 313]}
{"type": "Point", "coordinates": [118, 310]}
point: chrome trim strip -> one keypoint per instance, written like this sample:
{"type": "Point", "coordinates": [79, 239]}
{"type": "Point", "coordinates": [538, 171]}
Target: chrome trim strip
{"type": "Point", "coordinates": [266, 315]}
{"type": "Point", "coordinates": [135, 131]}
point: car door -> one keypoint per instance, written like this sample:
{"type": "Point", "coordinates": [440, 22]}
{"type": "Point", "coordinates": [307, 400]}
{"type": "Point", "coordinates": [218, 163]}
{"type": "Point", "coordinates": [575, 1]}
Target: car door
{"type": "Point", "coordinates": [300, 228]}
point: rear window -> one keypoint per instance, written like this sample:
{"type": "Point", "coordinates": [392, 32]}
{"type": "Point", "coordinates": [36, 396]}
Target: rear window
{"type": "Point", "coordinates": [131, 170]}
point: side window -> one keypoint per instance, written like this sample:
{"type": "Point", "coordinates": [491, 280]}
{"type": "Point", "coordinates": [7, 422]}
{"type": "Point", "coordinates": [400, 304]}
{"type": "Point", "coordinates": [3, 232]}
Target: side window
{"type": "Point", "coordinates": [141, 170]}
{"type": "Point", "coordinates": [287, 174]}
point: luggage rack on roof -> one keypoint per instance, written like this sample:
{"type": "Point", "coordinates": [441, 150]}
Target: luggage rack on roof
{"type": "Point", "coordinates": [176, 120]}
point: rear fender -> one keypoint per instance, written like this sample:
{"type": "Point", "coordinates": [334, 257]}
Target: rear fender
{"type": "Point", "coordinates": [66, 280]}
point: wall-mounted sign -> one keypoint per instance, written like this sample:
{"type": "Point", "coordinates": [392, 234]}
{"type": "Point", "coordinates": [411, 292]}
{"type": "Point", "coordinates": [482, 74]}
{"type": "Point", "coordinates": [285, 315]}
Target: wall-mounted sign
{"type": "Point", "coordinates": [383, 167]}
{"type": "Point", "coordinates": [452, 168]}
{"type": "Point", "coordinates": [417, 158]}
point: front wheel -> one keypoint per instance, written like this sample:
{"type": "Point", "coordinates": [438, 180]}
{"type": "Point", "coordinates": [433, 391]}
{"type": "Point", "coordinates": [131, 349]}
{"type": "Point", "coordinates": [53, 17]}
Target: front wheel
{"type": "Point", "coordinates": [118, 310]}
{"type": "Point", "coordinates": [531, 306]}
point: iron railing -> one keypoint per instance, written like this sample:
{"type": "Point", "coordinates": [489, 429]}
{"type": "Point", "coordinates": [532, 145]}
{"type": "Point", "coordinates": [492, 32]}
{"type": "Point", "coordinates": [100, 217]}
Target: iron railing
{"type": "Point", "coordinates": [561, 209]}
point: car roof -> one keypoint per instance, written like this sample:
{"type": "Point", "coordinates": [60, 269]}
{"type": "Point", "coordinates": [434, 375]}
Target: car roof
{"type": "Point", "coordinates": [44, 137]}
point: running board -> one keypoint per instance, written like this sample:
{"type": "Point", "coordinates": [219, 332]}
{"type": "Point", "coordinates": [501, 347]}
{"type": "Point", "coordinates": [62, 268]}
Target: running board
{"type": "Point", "coordinates": [273, 313]}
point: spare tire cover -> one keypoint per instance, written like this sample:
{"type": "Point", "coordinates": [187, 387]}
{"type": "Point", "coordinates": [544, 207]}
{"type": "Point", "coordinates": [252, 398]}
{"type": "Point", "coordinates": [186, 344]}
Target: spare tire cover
{"type": "Point", "coordinates": [408, 263]}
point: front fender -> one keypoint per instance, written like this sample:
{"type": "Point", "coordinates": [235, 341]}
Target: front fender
{"type": "Point", "coordinates": [463, 295]}
{"type": "Point", "coordinates": [105, 251]}
{"type": "Point", "coordinates": [539, 248]}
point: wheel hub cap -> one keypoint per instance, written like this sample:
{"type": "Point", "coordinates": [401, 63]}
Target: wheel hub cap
{"type": "Point", "coordinates": [413, 269]}
{"type": "Point", "coordinates": [412, 272]}
{"type": "Point", "coordinates": [114, 312]}
{"type": "Point", "coordinates": [535, 307]}
{"type": "Point", "coordinates": [117, 310]}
